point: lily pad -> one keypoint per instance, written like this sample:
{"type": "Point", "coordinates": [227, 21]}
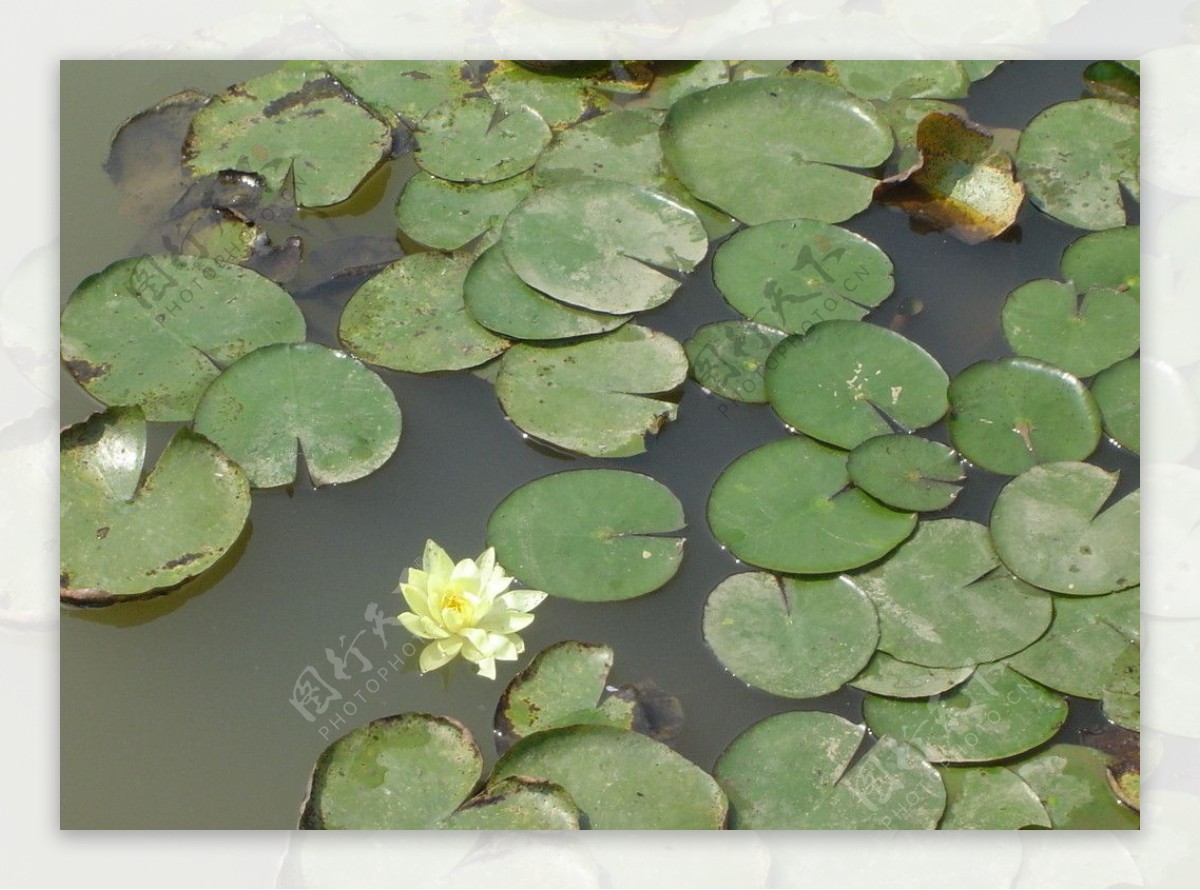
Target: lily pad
{"type": "Point", "coordinates": [1110, 258]}
{"type": "Point", "coordinates": [1122, 694]}
{"type": "Point", "coordinates": [561, 99]}
{"type": "Point", "coordinates": [904, 116]}
{"type": "Point", "coordinates": [1074, 158]}
{"type": "Point", "coordinates": [847, 381]}
{"type": "Point", "coordinates": [777, 148]}
{"type": "Point", "coordinates": [298, 122]}
{"type": "Point", "coordinates": [1045, 319]}
{"type": "Point", "coordinates": [995, 714]}
{"type": "Point", "coordinates": [940, 606]}
{"type": "Point", "coordinates": [411, 316]}
{"type": "Point", "coordinates": [793, 274]}
{"type": "Point", "coordinates": [989, 797]}
{"type": "Point", "coordinates": [895, 79]}
{"type": "Point", "coordinates": [674, 79]}
{"type": "Point", "coordinates": [885, 675]}
{"type": "Point", "coordinates": [980, 68]}
{"type": "Point", "coordinates": [787, 506]}
{"type": "Point", "coordinates": [593, 535]}
{"type": "Point", "coordinates": [1048, 528]}
{"type": "Point", "coordinates": [414, 771]}
{"type": "Point", "coordinates": [605, 246]}
{"type": "Point", "coordinates": [595, 397]}
{"type": "Point", "coordinates": [907, 472]}
{"type": "Point", "coordinates": [729, 358]}
{"type": "Point", "coordinates": [403, 90]}
{"type": "Point", "coordinates": [1115, 81]}
{"type": "Point", "coordinates": [799, 639]}
{"type": "Point", "coordinates": [288, 398]}
{"type": "Point", "coordinates": [446, 215]}
{"type": "Point", "coordinates": [1117, 392]}
{"type": "Point", "coordinates": [477, 140]}
{"type": "Point", "coordinates": [619, 779]}
{"type": "Point", "coordinates": [793, 771]}
{"type": "Point", "coordinates": [154, 331]}
{"type": "Point", "coordinates": [122, 537]}
{"type": "Point", "coordinates": [1071, 783]}
{"type": "Point", "coordinates": [1014, 413]}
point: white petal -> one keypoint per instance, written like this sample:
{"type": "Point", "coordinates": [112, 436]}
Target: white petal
{"type": "Point", "coordinates": [503, 648]}
{"type": "Point", "coordinates": [433, 657]}
{"type": "Point", "coordinates": [416, 598]}
{"type": "Point", "coordinates": [523, 600]}
{"type": "Point", "coordinates": [487, 668]}
{"type": "Point", "coordinates": [431, 630]}
{"type": "Point", "coordinates": [414, 625]}
{"type": "Point", "coordinates": [515, 621]}
{"type": "Point", "coordinates": [436, 562]}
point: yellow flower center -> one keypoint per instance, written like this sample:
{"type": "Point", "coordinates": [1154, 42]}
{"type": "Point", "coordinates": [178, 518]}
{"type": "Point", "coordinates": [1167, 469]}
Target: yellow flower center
{"type": "Point", "coordinates": [454, 602]}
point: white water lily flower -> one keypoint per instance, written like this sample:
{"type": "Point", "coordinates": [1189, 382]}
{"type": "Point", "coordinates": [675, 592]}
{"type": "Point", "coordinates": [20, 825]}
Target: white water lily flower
{"type": "Point", "coordinates": [466, 609]}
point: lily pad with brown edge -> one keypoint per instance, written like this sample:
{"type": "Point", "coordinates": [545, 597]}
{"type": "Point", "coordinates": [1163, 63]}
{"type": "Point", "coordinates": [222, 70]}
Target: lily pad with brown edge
{"type": "Point", "coordinates": [729, 358]}
{"type": "Point", "coordinates": [474, 139]}
{"type": "Point", "coordinates": [1051, 527]}
{"type": "Point", "coordinates": [907, 472]}
{"type": "Point", "coordinates": [447, 215]}
{"type": "Point", "coordinates": [619, 779]}
{"type": "Point", "coordinates": [297, 122]}
{"type": "Point", "coordinates": [562, 100]}
{"type": "Point", "coordinates": [123, 537]}
{"type": "Point", "coordinates": [989, 797]}
{"type": "Point", "coordinates": [1110, 258]}
{"type": "Point", "coordinates": [1071, 782]}
{"type": "Point", "coordinates": [996, 714]}
{"type": "Point", "coordinates": [1011, 414]}
{"type": "Point", "coordinates": [599, 397]}
{"type": "Point", "coordinates": [1122, 693]}
{"type": "Point", "coordinates": [306, 400]}
{"type": "Point", "coordinates": [886, 675]}
{"type": "Point", "coordinates": [412, 316]}
{"type": "Point", "coordinates": [942, 604]}
{"type": "Point", "coordinates": [414, 771]}
{"type": "Point", "coordinates": [791, 637]}
{"type": "Point", "coordinates": [788, 506]}
{"type": "Point", "coordinates": [1117, 392]}
{"type": "Point", "coordinates": [403, 90]}
{"type": "Point", "coordinates": [797, 770]}
{"type": "Point", "coordinates": [154, 331]}
{"type": "Point", "coordinates": [590, 535]}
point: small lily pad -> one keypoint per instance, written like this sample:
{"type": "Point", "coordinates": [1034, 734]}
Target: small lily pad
{"type": "Point", "coordinates": [787, 506]}
{"type": "Point", "coordinates": [1115, 81]}
{"type": "Point", "coordinates": [1014, 413]}
{"type": "Point", "coordinates": [303, 397]}
{"type": "Point", "coordinates": [989, 797]}
{"type": "Point", "coordinates": [907, 79]}
{"type": "Point", "coordinates": [477, 140]}
{"type": "Point", "coordinates": [847, 381]}
{"type": "Point", "coordinates": [1110, 258]}
{"type": "Point", "coordinates": [886, 675]}
{"type": "Point", "coordinates": [446, 215]}
{"type": "Point", "coordinates": [907, 472]}
{"type": "Point", "coordinates": [516, 804]}
{"type": "Point", "coordinates": [1117, 392]}
{"type": "Point", "coordinates": [122, 537]}
{"type": "Point", "coordinates": [995, 714]}
{"type": "Point", "coordinates": [799, 639]}
{"type": "Point", "coordinates": [729, 358]}
{"type": "Point", "coordinates": [592, 535]}
{"type": "Point", "coordinates": [403, 90]}
{"type": "Point", "coordinates": [595, 397]}
{"type": "Point", "coordinates": [561, 99]}
{"type": "Point", "coordinates": [793, 771]}
{"type": "Point", "coordinates": [1048, 528]}
{"type": "Point", "coordinates": [1070, 781]}
{"type": "Point", "coordinates": [1122, 694]}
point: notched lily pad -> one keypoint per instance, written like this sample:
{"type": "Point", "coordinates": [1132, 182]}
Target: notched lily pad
{"type": "Point", "coordinates": [477, 140]}
{"type": "Point", "coordinates": [1070, 781]}
{"type": "Point", "coordinates": [403, 90]}
{"type": "Point", "coordinates": [447, 215]}
{"type": "Point", "coordinates": [886, 675]}
{"type": "Point", "coordinates": [907, 472]}
{"type": "Point", "coordinates": [989, 797]}
{"type": "Point", "coordinates": [1117, 392]}
{"type": "Point", "coordinates": [1110, 258]}
{"type": "Point", "coordinates": [561, 99]}
{"type": "Point", "coordinates": [729, 358]}
{"type": "Point", "coordinates": [1122, 693]}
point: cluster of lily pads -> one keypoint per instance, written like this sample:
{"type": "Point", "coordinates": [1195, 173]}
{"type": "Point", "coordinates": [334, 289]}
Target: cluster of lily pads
{"type": "Point", "coordinates": [547, 210]}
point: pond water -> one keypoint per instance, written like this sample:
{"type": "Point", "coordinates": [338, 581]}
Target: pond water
{"type": "Point", "coordinates": [176, 711]}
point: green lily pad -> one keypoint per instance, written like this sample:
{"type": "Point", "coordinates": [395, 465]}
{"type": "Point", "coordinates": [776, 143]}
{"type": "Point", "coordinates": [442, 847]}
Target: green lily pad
{"type": "Point", "coordinates": [978, 69]}
{"type": "Point", "coordinates": [619, 779]}
{"type": "Point", "coordinates": [593, 535]}
{"type": "Point", "coordinates": [1110, 258]}
{"type": "Point", "coordinates": [787, 506]}
{"type": "Point", "coordinates": [793, 771]}
{"type": "Point", "coordinates": [729, 358]}
{"type": "Point", "coordinates": [1083, 641]}
{"type": "Point", "coordinates": [1048, 528]}
{"type": "Point", "coordinates": [477, 140]}
{"type": "Point", "coordinates": [675, 79]}
{"type": "Point", "coordinates": [1070, 781]}
{"type": "Point", "coordinates": [940, 606]}
{"type": "Point", "coordinates": [1122, 694]}
{"type": "Point", "coordinates": [414, 771]}
{"type": "Point", "coordinates": [1115, 81]}
{"type": "Point", "coordinates": [793, 274]}
{"type": "Point", "coordinates": [296, 121]}
{"type": "Point", "coordinates": [594, 397]}
{"type": "Point", "coordinates": [904, 116]}
{"type": "Point", "coordinates": [1045, 319]}
{"type": "Point", "coordinates": [403, 90]}
{"type": "Point", "coordinates": [907, 472]}
{"type": "Point", "coordinates": [302, 397]}
{"type": "Point", "coordinates": [1117, 392]}
{"type": "Point", "coordinates": [411, 316]}
{"type": "Point", "coordinates": [446, 215]}
{"type": "Point", "coordinates": [1073, 157]}
{"type": "Point", "coordinates": [777, 148]}
{"type": "Point", "coordinates": [847, 381]}
{"type": "Point", "coordinates": [604, 246]}
{"type": "Point", "coordinates": [561, 99]}
{"type": "Point", "coordinates": [886, 675]}
{"type": "Point", "coordinates": [800, 639]}
{"type": "Point", "coordinates": [995, 714]}
{"type": "Point", "coordinates": [154, 331]}
{"type": "Point", "coordinates": [1014, 413]}
{"type": "Point", "coordinates": [122, 537]}
{"type": "Point", "coordinates": [901, 79]}
{"type": "Point", "coordinates": [989, 797]}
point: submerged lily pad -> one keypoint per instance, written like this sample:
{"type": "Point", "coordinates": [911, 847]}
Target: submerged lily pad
{"type": "Point", "coordinates": [298, 122]}
{"type": "Point", "coordinates": [1070, 781]}
{"type": "Point", "coordinates": [989, 797]}
{"type": "Point", "coordinates": [1117, 392]}
{"type": "Point", "coordinates": [154, 331]}
{"type": "Point", "coordinates": [793, 771]}
{"type": "Point", "coordinates": [907, 472]}
{"type": "Point", "coordinates": [1048, 528]}
{"type": "Point", "coordinates": [403, 90]}
{"type": "Point", "coordinates": [301, 398]}
{"type": "Point", "coordinates": [478, 140]}
{"type": "Point", "coordinates": [1074, 157]}
{"type": "Point", "coordinates": [593, 535]}
{"type": "Point", "coordinates": [122, 537]}
{"type": "Point", "coordinates": [995, 714]}
{"type": "Point", "coordinates": [787, 506]}
{"type": "Point", "coordinates": [1122, 694]}
{"type": "Point", "coordinates": [1013, 413]}
{"type": "Point", "coordinates": [777, 148]}
{"type": "Point", "coordinates": [895, 79]}
{"type": "Point", "coordinates": [446, 215]}
{"type": "Point", "coordinates": [729, 358]}
{"type": "Point", "coordinates": [595, 397]}
{"type": "Point", "coordinates": [885, 675]}
{"type": "Point", "coordinates": [1110, 258]}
